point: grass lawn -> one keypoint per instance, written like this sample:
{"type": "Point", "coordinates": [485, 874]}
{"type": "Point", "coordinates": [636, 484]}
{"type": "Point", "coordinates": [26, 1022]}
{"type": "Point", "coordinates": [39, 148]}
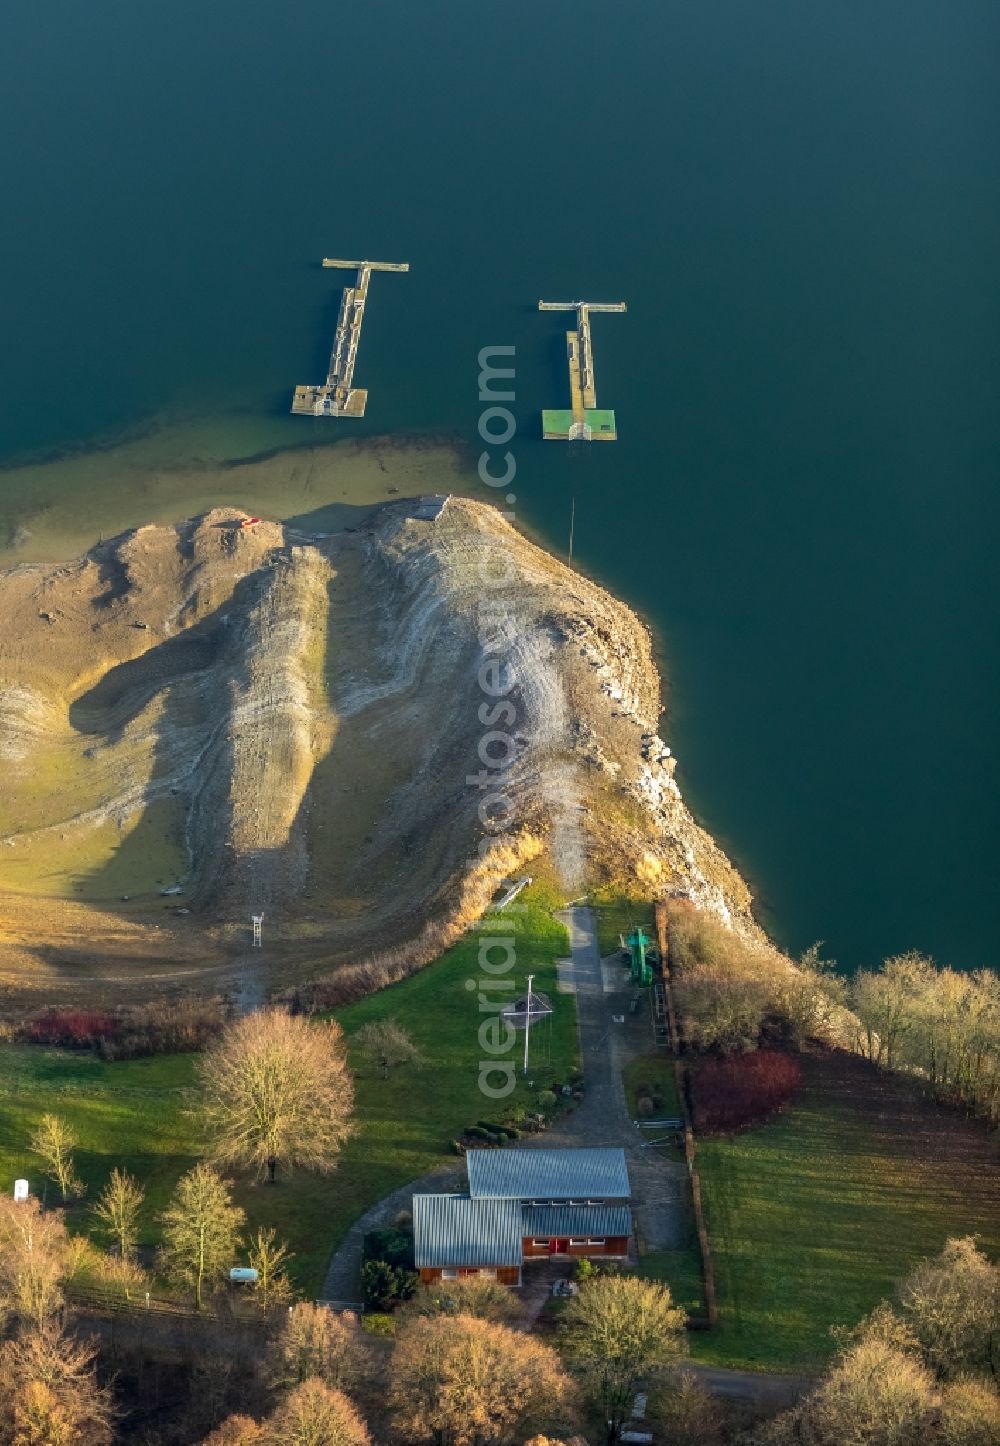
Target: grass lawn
{"type": "Point", "coordinates": [814, 1216]}
{"type": "Point", "coordinates": [681, 1270]}
{"type": "Point", "coordinates": [141, 1113]}
{"type": "Point", "coordinates": [615, 916]}
{"type": "Point", "coordinates": [556, 421]}
{"type": "Point", "coordinates": [656, 1071]}
{"type": "Point", "coordinates": [138, 1114]}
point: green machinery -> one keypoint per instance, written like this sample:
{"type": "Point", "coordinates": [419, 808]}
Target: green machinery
{"type": "Point", "coordinates": [638, 944]}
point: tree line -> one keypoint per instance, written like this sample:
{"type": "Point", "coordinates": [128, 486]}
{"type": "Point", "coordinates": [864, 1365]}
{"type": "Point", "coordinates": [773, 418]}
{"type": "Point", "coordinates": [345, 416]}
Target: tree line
{"type": "Point", "coordinates": [940, 1025]}
{"type": "Point", "coordinates": [919, 1371]}
{"type": "Point", "coordinates": [459, 1374]}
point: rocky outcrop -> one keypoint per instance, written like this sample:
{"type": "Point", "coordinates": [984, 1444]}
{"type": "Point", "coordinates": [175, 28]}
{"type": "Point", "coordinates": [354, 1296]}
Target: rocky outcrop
{"type": "Point", "coordinates": [332, 729]}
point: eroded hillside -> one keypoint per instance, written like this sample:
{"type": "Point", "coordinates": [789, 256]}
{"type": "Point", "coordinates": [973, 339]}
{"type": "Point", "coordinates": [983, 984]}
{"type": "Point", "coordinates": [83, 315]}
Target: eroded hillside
{"type": "Point", "coordinates": [206, 721]}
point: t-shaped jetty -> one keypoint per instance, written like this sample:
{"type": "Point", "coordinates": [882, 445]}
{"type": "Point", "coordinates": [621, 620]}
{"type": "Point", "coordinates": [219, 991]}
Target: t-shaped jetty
{"type": "Point", "coordinates": [584, 421]}
{"type": "Point", "coordinates": [337, 397]}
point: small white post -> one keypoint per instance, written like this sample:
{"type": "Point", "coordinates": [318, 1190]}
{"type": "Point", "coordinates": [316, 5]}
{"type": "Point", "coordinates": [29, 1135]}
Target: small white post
{"type": "Point", "coordinates": [527, 1024]}
{"type": "Point", "coordinates": [258, 923]}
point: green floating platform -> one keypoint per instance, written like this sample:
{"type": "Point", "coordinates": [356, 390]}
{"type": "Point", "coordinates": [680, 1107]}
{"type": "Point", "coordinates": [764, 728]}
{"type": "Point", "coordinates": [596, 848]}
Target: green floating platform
{"type": "Point", "coordinates": [557, 425]}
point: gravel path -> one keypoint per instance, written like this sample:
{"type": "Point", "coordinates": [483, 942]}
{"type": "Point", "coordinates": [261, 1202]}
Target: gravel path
{"type": "Point", "coordinates": [769, 1390]}
{"type": "Point", "coordinates": [342, 1285]}
{"type": "Point", "coordinates": [602, 1117]}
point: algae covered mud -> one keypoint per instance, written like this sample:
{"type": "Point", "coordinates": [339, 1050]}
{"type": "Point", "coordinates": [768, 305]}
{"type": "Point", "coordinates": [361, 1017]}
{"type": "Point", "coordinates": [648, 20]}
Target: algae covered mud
{"type": "Point", "coordinates": [797, 203]}
{"type": "Point", "coordinates": [58, 508]}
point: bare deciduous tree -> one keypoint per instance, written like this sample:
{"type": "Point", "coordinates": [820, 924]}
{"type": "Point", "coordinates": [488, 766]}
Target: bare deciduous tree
{"type": "Point", "coordinates": [315, 1342]}
{"type": "Point", "coordinates": [117, 1212]}
{"type": "Point", "coordinates": [952, 1306]}
{"type": "Point", "coordinates": [387, 1043]}
{"type": "Point", "coordinates": [315, 1415]}
{"type": "Point", "coordinates": [51, 1393]}
{"type": "Point", "coordinates": [688, 1412]}
{"type": "Point", "coordinates": [123, 1278]}
{"type": "Point", "coordinates": [35, 1260]}
{"type": "Point", "coordinates": [883, 1003]}
{"type": "Point", "coordinates": [810, 997]}
{"type": "Point", "coordinates": [476, 1295]}
{"type": "Point", "coordinates": [884, 1388]}
{"type": "Point", "coordinates": [277, 1091]}
{"type": "Point", "coordinates": [970, 1414]}
{"type": "Point", "coordinates": [200, 1230]}
{"type": "Point", "coordinates": [874, 1394]}
{"type": "Point", "coordinates": [621, 1330]}
{"type": "Point", "coordinates": [269, 1257]}
{"type": "Point", "coordinates": [54, 1142]}
{"type": "Point", "coordinates": [553, 1441]}
{"type": "Point", "coordinates": [475, 1383]}
{"type": "Point", "coordinates": [237, 1431]}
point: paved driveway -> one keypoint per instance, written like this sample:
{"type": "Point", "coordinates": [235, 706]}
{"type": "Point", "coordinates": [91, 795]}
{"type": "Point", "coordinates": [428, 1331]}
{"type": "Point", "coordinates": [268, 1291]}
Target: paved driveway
{"type": "Point", "coordinates": [603, 991]}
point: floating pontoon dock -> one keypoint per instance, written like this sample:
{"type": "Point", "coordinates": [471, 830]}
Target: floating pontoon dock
{"type": "Point", "coordinates": [584, 421]}
{"type": "Point", "coordinates": [337, 397]}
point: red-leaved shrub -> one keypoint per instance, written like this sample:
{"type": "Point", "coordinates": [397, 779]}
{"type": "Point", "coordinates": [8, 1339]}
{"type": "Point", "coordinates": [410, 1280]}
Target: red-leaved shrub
{"type": "Point", "coordinates": [730, 1094]}
{"type": "Point", "coordinates": [164, 1026]}
{"type": "Point", "coordinates": [73, 1028]}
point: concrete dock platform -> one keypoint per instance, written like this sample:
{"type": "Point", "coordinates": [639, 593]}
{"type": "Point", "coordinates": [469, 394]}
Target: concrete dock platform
{"type": "Point", "coordinates": [584, 421]}
{"type": "Point", "coordinates": [337, 397]}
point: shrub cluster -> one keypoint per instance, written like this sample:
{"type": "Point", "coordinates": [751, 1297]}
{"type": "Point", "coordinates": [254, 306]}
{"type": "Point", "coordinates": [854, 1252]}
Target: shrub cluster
{"type": "Point", "coordinates": [486, 1133]}
{"type": "Point", "coordinates": [386, 1286]}
{"type": "Point", "coordinates": [647, 1100]}
{"type": "Point", "coordinates": [172, 1026]}
{"type": "Point", "coordinates": [730, 1094]}
{"type": "Point", "coordinates": [394, 1245]}
{"type": "Point", "coordinates": [941, 1025]}
{"type": "Point", "coordinates": [734, 992]}
{"type": "Point", "coordinates": [387, 1274]}
{"type": "Point", "coordinates": [72, 1028]}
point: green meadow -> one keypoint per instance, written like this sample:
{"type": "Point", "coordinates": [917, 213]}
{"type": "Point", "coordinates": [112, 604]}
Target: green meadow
{"type": "Point", "coordinates": [815, 1216]}
{"type": "Point", "coordinates": [142, 1114]}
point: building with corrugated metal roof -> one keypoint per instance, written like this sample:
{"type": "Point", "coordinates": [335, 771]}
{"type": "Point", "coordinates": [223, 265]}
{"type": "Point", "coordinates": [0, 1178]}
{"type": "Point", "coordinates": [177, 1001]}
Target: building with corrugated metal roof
{"type": "Point", "coordinates": [454, 1233]}
{"type": "Point", "coordinates": [524, 1204]}
{"type": "Point", "coordinates": [549, 1176]}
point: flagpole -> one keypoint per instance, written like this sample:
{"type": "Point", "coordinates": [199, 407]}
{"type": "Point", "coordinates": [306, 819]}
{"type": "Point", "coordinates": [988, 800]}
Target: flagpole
{"type": "Point", "coordinates": [527, 1024]}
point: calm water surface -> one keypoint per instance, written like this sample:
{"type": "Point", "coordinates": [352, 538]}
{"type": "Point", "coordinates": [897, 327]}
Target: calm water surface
{"type": "Point", "coordinates": [801, 205]}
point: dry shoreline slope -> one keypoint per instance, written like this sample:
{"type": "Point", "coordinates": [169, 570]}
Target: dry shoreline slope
{"type": "Point", "coordinates": [263, 720]}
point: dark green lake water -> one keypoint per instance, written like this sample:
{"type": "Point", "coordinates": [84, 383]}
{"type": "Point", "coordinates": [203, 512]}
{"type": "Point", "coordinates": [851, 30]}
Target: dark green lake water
{"type": "Point", "coordinates": [799, 199]}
